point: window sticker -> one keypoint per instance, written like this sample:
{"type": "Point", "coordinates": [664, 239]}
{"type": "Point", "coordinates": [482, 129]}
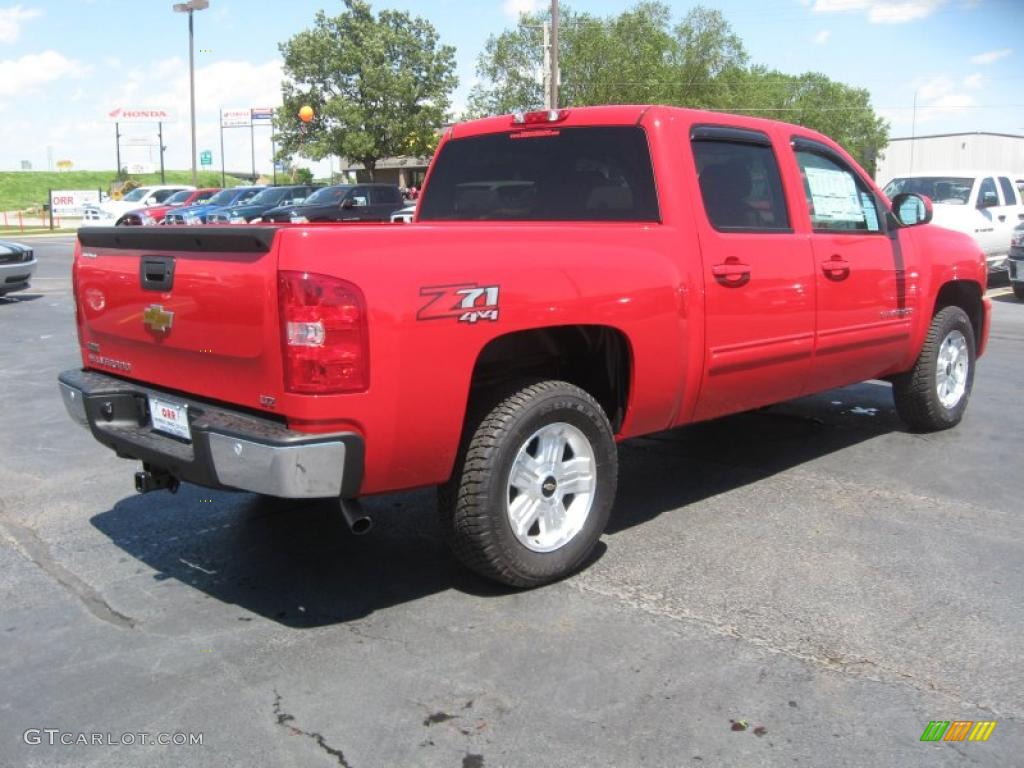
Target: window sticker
{"type": "Point", "coordinates": [867, 205]}
{"type": "Point", "coordinates": [834, 196]}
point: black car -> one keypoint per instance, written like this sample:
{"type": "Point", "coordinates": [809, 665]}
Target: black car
{"type": "Point", "coordinates": [269, 198]}
{"type": "Point", "coordinates": [346, 202]}
{"type": "Point", "coordinates": [17, 263]}
{"type": "Point", "coordinates": [1015, 261]}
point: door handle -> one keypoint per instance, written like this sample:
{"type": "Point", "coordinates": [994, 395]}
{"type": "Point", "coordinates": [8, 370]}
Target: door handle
{"type": "Point", "coordinates": [836, 268]}
{"type": "Point", "coordinates": [1002, 218]}
{"type": "Point", "coordinates": [732, 273]}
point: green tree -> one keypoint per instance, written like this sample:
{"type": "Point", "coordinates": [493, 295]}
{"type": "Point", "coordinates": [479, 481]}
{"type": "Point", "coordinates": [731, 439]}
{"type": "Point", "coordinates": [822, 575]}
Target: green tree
{"type": "Point", "coordinates": [840, 111]}
{"type": "Point", "coordinates": [379, 85]}
{"type": "Point", "coordinates": [636, 57]}
{"type": "Point", "coordinates": [639, 57]}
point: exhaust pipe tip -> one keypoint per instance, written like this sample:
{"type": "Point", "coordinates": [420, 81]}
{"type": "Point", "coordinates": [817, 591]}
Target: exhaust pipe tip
{"type": "Point", "coordinates": [357, 520]}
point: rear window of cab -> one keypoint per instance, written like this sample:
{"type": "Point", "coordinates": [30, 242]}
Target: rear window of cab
{"type": "Point", "coordinates": [564, 174]}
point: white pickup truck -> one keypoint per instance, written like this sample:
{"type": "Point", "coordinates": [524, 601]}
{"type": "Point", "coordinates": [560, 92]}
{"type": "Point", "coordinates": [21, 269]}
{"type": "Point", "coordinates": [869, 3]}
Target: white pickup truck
{"type": "Point", "coordinates": [105, 214]}
{"type": "Point", "coordinates": [983, 204]}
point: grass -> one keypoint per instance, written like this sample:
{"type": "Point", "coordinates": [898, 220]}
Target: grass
{"type": "Point", "coordinates": [29, 189]}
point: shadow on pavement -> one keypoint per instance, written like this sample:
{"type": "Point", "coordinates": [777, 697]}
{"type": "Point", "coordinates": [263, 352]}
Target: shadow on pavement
{"type": "Point", "coordinates": [683, 466]}
{"type": "Point", "coordinates": [19, 298]}
{"type": "Point", "coordinates": [297, 563]}
{"type": "Point", "coordinates": [1008, 298]}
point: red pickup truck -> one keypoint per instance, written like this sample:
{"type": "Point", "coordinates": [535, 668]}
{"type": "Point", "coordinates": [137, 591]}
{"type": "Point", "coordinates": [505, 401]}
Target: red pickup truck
{"type": "Point", "coordinates": [574, 278]}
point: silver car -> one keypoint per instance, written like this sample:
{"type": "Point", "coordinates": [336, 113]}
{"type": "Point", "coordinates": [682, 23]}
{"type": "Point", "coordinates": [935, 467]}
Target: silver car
{"type": "Point", "coordinates": [17, 264]}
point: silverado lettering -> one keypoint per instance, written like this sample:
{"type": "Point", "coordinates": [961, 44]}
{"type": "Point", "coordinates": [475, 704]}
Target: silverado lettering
{"type": "Point", "coordinates": [654, 267]}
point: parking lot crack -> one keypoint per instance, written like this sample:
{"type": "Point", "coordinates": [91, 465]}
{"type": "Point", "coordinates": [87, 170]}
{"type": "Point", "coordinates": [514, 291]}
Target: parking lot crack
{"type": "Point", "coordinates": [27, 542]}
{"type": "Point", "coordinates": [286, 720]}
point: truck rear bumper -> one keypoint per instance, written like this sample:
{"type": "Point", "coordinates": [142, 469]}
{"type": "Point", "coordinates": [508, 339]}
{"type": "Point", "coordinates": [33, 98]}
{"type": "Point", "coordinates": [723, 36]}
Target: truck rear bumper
{"type": "Point", "coordinates": [229, 448]}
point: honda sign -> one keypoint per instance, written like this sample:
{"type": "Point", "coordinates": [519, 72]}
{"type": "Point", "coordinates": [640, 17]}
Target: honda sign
{"type": "Point", "coordinates": [142, 115]}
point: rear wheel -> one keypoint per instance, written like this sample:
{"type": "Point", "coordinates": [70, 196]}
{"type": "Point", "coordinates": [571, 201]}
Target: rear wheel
{"type": "Point", "coordinates": [1018, 290]}
{"type": "Point", "coordinates": [534, 486]}
{"type": "Point", "coordinates": [933, 395]}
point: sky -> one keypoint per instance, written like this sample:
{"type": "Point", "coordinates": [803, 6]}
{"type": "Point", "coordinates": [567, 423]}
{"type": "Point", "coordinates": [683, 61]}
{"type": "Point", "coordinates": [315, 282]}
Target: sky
{"type": "Point", "coordinates": [64, 65]}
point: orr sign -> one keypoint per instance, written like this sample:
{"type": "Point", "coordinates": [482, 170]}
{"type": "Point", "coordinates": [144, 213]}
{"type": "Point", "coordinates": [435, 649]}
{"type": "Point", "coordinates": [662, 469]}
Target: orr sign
{"type": "Point", "coordinates": [72, 202]}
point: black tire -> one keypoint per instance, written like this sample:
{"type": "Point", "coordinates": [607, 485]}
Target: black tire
{"type": "Point", "coordinates": [473, 505]}
{"type": "Point", "coordinates": [915, 392]}
{"type": "Point", "coordinates": [1018, 290]}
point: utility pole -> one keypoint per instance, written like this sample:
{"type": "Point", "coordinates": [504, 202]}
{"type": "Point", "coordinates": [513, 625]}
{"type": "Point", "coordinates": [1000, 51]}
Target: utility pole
{"type": "Point", "coordinates": [160, 138]}
{"type": "Point", "coordinates": [546, 76]}
{"type": "Point", "coordinates": [117, 139]}
{"type": "Point", "coordinates": [553, 72]}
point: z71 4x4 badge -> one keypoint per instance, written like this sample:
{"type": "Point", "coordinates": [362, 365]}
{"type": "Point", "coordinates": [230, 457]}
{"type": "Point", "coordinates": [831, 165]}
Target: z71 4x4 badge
{"type": "Point", "coordinates": [467, 302]}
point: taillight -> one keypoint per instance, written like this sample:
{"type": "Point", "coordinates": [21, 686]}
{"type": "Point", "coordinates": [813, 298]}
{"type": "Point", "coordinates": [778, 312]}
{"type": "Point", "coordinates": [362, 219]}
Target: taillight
{"type": "Point", "coordinates": [323, 334]}
{"type": "Point", "coordinates": [540, 117]}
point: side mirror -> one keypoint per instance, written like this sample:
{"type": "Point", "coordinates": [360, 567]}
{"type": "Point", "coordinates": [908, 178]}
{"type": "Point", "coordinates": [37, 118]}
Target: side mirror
{"type": "Point", "coordinates": [911, 209]}
{"type": "Point", "coordinates": [348, 203]}
{"type": "Point", "coordinates": [988, 200]}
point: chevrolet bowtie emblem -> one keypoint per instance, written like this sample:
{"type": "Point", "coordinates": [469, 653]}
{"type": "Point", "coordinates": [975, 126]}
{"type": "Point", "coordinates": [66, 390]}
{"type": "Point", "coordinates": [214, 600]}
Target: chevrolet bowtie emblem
{"type": "Point", "coordinates": [158, 319]}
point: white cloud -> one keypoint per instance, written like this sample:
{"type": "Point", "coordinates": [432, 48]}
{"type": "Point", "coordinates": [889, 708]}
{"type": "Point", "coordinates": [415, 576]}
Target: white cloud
{"type": "Point", "coordinates": [33, 70]}
{"type": "Point", "coordinates": [11, 19]}
{"type": "Point", "coordinates": [975, 81]}
{"type": "Point", "coordinates": [514, 8]}
{"type": "Point", "coordinates": [935, 87]}
{"type": "Point", "coordinates": [991, 56]}
{"type": "Point", "coordinates": [822, 37]}
{"type": "Point", "coordinates": [940, 98]}
{"type": "Point", "coordinates": [882, 11]}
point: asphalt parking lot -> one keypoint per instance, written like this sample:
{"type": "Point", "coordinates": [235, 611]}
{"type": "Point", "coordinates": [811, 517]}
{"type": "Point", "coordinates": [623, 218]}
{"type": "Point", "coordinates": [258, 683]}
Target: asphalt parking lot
{"type": "Point", "coordinates": [805, 585]}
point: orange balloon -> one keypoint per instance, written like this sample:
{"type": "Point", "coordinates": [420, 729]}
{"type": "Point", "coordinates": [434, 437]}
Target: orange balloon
{"type": "Point", "coordinates": [306, 114]}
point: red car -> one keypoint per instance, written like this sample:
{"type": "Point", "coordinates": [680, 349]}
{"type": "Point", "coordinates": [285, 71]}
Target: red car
{"type": "Point", "coordinates": [155, 213]}
{"type": "Point", "coordinates": [574, 278]}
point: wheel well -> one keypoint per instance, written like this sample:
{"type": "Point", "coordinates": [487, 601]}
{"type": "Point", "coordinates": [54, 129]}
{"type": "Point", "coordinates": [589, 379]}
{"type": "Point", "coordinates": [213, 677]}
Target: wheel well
{"type": "Point", "coordinates": [595, 358]}
{"type": "Point", "coordinates": [965, 294]}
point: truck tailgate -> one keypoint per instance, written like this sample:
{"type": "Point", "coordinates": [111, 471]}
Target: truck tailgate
{"type": "Point", "coordinates": [186, 309]}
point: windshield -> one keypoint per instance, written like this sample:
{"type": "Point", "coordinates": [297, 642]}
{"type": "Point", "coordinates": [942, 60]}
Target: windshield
{"type": "Point", "coordinates": [569, 174]}
{"type": "Point", "coordinates": [326, 195]}
{"type": "Point", "coordinates": [249, 194]}
{"type": "Point", "coordinates": [177, 197]}
{"type": "Point", "coordinates": [270, 195]}
{"type": "Point", "coordinates": [948, 190]}
{"type": "Point", "coordinates": [224, 197]}
{"type": "Point", "coordinates": [135, 195]}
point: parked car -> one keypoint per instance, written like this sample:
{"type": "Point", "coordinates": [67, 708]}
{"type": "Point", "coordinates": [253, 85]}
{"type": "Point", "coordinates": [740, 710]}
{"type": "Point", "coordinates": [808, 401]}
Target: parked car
{"type": "Point", "coordinates": [108, 212]}
{"type": "Point", "coordinates": [983, 204]}
{"type": "Point", "coordinates": [17, 265]}
{"type": "Point", "coordinates": [197, 214]}
{"type": "Point", "coordinates": [155, 214]}
{"type": "Point", "coordinates": [404, 215]}
{"type": "Point", "coordinates": [345, 202]}
{"type": "Point", "coordinates": [575, 278]}
{"type": "Point", "coordinates": [1015, 261]}
{"type": "Point", "coordinates": [269, 198]}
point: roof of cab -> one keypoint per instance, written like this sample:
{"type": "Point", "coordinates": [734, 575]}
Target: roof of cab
{"type": "Point", "coordinates": [621, 114]}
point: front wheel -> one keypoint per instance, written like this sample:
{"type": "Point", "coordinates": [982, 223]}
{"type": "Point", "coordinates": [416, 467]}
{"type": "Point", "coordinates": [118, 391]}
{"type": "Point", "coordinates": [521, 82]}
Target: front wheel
{"type": "Point", "coordinates": [933, 395]}
{"type": "Point", "coordinates": [1018, 290]}
{"type": "Point", "coordinates": [534, 486]}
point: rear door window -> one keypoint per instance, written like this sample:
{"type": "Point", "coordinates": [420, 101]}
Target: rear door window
{"type": "Point", "coordinates": [1009, 193]}
{"type": "Point", "coordinates": [564, 174]}
{"type": "Point", "coordinates": [740, 185]}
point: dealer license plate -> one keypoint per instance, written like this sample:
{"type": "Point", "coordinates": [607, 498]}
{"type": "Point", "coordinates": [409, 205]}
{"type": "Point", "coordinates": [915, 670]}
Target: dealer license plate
{"type": "Point", "coordinates": [169, 417]}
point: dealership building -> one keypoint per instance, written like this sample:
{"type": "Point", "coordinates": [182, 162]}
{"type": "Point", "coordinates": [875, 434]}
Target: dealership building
{"type": "Point", "coordinates": [951, 152]}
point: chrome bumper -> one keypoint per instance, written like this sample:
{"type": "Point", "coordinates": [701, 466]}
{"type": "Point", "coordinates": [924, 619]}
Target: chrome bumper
{"type": "Point", "coordinates": [229, 449]}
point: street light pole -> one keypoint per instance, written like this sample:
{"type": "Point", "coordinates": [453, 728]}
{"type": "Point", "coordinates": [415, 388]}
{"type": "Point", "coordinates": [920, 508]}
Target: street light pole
{"type": "Point", "coordinates": [553, 74]}
{"type": "Point", "coordinates": [190, 7]}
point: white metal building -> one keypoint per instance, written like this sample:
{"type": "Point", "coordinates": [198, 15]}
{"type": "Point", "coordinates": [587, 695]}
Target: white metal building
{"type": "Point", "coordinates": [952, 152]}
